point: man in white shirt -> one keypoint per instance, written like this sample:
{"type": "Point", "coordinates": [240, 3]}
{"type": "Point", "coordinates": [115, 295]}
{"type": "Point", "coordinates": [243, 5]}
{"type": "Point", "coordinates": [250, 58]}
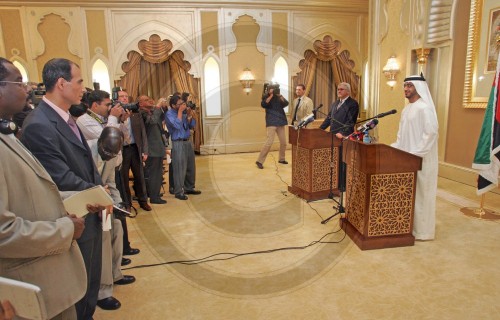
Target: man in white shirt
{"type": "Point", "coordinates": [418, 135]}
{"type": "Point", "coordinates": [302, 105]}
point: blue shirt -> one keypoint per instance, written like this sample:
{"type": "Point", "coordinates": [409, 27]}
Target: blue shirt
{"type": "Point", "coordinates": [178, 129]}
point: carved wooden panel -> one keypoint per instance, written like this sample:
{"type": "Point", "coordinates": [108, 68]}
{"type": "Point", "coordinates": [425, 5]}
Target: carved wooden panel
{"type": "Point", "coordinates": [390, 205]}
{"type": "Point", "coordinates": [301, 176]}
{"type": "Point", "coordinates": [355, 195]}
{"type": "Point", "coordinates": [321, 159]}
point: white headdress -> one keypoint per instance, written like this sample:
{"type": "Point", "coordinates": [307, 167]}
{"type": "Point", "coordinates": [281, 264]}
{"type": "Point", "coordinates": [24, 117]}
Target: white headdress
{"type": "Point", "coordinates": [422, 89]}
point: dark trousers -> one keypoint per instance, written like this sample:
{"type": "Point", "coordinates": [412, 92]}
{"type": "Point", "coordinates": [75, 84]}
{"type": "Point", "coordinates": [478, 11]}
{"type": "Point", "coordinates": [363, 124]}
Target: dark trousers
{"type": "Point", "coordinates": [123, 194]}
{"type": "Point", "coordinates": [153, 173]}
{"type": "Point", "coordinates": [183, 164]}
{"type": "Point", "coordinates": [171, 178]}
{"type": "Point", "coordinates": [133, 160]}
{"type": "Point", "coordinates": [91, 250]}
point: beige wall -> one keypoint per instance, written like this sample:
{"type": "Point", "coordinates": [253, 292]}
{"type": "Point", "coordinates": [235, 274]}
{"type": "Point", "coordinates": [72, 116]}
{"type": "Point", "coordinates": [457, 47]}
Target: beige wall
{"type": "Point", "coordinates": [10, 21]}
{"type": "Point", "coordinates": [396, 44]}
{"type": "Point", "coordinates": [251, 38]}
{"type": "Point", "coordinates": [96, 32]}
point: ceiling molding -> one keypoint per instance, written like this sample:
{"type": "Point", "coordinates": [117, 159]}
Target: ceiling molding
{"type": "Point", "coordinates": [337, 5]}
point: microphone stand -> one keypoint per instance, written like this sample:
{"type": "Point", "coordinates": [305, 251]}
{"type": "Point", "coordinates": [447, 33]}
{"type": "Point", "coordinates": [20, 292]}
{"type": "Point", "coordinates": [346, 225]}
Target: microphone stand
{"type": "Point", "coordinates": [341, 174]}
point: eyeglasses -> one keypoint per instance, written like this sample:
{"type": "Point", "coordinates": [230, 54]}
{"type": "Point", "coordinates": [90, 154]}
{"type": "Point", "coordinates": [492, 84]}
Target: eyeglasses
{"type": "Point", "coordinates": [180, 104]}
{"type": "Point", "coordinates": [19, 83]}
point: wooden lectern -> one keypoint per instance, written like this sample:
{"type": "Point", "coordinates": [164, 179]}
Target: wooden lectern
{"type": "Point", "coordinates": [380, 195]}
{"type": "Point", "coordinates": [311, 159]}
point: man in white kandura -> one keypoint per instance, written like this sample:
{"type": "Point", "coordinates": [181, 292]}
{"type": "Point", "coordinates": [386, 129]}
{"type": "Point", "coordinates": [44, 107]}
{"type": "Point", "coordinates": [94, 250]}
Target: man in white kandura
{"type": "Point", "coordinates": [418, 135]}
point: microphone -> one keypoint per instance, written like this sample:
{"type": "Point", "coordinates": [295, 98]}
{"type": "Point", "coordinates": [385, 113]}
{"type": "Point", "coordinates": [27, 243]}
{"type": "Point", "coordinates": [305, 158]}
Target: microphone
{"type": "Point", "coordinates": [383, 114]}
{"type": "Point", "coordinates": [305, 121]}
{"type": "Point", "coordinates": [310, 118]}
{"type": "Point", "coordinates": [368, 126]}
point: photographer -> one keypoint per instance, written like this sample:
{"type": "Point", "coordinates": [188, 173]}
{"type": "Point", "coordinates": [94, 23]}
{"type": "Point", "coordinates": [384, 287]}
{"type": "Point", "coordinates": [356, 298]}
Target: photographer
{"type": "Point", "coordinates": [135, 152]}
{"type": "Point", "coordinates": [180, 119]}
{"type": "Point", "coordinates": [274, 103]}
{"type": "Point", "coordinates": [152, 116]}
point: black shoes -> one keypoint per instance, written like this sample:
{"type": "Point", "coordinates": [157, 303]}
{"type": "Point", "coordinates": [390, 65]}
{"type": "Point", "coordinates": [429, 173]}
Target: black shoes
{"type": "Point", "coordinates": [109, 303]}
{"type": "Point", "coordinates": [181, 196]}
{"type": "Point", "coordinates": [158, 201]}
{"type": "Point", "coordinates": [259, 165]}
{"type": "Point", "coordinates": [145, 206]}
{"type": "Point", "coordinates": [125, 280]}
{"type": "Point", "coordinates": [126, 261]}
{"type": "Point", "coordinates": [131, 251]}
{"type": "Point", "coordinates": [283, 161]}
{"type": "Point", "coordinates": [193, 191]}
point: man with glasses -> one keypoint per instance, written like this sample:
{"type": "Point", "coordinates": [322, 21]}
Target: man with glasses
{"type": "Point", "coordinates": [37, 233]}
{"type": "Point", "coordinates": [180, 120]}
{"type": "Point", "coordinates": [52, 135]}
{"type": "Point", "coordinates": [343, 113]}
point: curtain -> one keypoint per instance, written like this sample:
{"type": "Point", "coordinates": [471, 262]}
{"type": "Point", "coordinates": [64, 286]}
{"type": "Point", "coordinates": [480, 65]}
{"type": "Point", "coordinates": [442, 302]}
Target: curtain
{"type": "Point", "coordinates": [130, 81]}
{"type": "Point", "coordinates": [323, 69]}
{"type": "Point", "coordinates": [156, 73]}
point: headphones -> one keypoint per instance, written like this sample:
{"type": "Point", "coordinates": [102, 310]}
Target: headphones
{"type": "Point", "coordinates": [8, 127]}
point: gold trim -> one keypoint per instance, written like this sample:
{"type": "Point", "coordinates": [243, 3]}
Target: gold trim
{"type": "Point", "coordinates": [471, 61]}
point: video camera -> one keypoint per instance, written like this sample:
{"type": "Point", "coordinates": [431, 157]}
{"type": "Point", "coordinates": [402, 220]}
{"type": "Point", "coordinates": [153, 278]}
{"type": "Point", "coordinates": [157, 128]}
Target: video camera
{"type": "Point", "coordinates": [270, 85]}
{"type": "Point", "coordinates": [133, 107]}
{"type": "Point", "coordinates": [37, 93]}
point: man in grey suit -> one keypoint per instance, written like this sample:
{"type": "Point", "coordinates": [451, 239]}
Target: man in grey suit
{"type": "Point", "coordinates": [53, 137]}
{"type": "Point", "coordinates": [343, 113]}
{"type": "Point", "coordinates": [36, 233]}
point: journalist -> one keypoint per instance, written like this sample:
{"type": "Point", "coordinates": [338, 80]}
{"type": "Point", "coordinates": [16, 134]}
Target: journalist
{"type": "Point", "coordinates": [180, 120]}
{"type": "Point", "coordinates": [274, 103]}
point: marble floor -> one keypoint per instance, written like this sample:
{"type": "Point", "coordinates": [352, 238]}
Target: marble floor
{"type": "Point", "coordinates": [244, 210]}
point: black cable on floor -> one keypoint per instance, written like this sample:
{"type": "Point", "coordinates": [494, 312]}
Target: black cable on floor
{"type": "Point", "coordinates": [232, 255]}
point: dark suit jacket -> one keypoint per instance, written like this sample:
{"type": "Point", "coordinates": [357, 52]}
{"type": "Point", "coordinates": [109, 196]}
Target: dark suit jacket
{"type": "Point", "coordinates": [153, 124]}
{"type": "Point", "coordinates": [139, 132]}
{"type": "Point", "coordinates": [67, 159]}
{"type": "Point", "coordinates": [344, 118]}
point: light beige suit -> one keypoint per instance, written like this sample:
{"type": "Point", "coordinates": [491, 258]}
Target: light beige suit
{"type": "Point", "coordinates": [36, 243]}
{"type": "Point", "coordinates": [305, 108]}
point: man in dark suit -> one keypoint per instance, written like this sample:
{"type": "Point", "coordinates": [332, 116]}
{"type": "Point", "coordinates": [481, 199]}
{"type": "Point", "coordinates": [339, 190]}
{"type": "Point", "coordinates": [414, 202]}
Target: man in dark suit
{"type": "Point", "coordinates": [343, 113]}
{"type": "Point", "coordinates": [135, 152]}
{"type": "Point", "coordinates": [153, 172]}
{"type": "Point", "coordinates": [51, 134]}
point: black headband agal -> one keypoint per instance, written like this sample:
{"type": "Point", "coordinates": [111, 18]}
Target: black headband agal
{"type": "Point", "coordinates": [415, 78]}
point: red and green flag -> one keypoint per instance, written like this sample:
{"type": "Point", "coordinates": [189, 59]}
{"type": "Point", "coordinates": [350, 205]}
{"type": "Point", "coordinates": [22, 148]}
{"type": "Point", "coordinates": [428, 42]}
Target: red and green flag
{"type": "Point", "coordinates": [487, 157]}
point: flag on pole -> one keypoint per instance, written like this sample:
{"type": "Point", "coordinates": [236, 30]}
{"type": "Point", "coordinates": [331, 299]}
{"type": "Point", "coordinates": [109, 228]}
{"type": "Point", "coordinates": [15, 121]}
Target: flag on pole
{"type": "Point", "coordinates": [487, 157]}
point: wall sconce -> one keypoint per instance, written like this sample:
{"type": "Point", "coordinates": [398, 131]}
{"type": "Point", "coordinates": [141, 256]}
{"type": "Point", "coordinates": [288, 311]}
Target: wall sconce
{"type": "Point", "coordinates": [247, 79]}
{"type": "Point", "coordinates": [390, 70]}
